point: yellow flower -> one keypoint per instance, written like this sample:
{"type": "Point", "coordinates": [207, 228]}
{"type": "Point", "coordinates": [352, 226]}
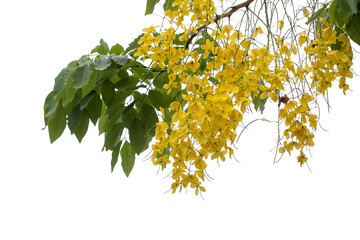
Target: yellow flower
{"type": "Point", "coordinates": [245, 44]}
{"type": "Point", "coordinates": [150, 29]}
{"type": "Point", "coordinates": [257, 31]}
{"type": "Point", "coordinates": [302, 158]}
{"type": "Point", "coordinates": [193, 65]}
{"type": "Point", "coordinates": [302, 38]}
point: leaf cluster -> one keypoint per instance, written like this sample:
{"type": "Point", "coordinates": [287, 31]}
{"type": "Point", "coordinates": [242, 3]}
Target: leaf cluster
{"type": "Point", "coordinates": [116, 92]}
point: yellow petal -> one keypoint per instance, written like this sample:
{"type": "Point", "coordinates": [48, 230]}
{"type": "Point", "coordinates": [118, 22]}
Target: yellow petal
{"type": "Point", "coordinates": [245, 44]}
{"type": "Point", "coordinates": [281, 24]}
{"type": "Point", "coordinates": [306, 13]}
{"type": "Point", "coordinates": [293, 49]}
{"type": "Point", "coordinates": [281, 150]}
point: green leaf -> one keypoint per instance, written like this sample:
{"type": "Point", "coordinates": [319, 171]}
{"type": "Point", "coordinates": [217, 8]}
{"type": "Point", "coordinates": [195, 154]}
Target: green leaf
{"type": "Point", "coordinates": [75, 119]}
{"type": "Point", "coordinates": [128, 117]}
{"type": "Point", "coordinates": [116, 49]}
{"type": "Point", "coordinates": [69, 92]}
{"type": "Point", "coordinates": [353, 28]}
{"type": "Point", "coordinates": [177, 40]}
{"type": "Point", "coordinates": [157, 99]}
{"type": "Point", "coordinates": [318, 14]}
{"type": "Point", "coordinates": [149, 117]}
{"type": "Point", "coordinates": [85, 101]}
{"type": "Point", "coordinates": [102, 63]}
{"type": "Point", "coordinates": [116, 110]}
{"type": "Point", "coordinates": [257, 101]}
{"type": "Point", "coordinates": [108, 73]}
{"type": "Point", "coordinates": [57, 123]}
{"type": "Point", "coordinates": [214, 80]}
{"type": "Point", "coordinates": [69, 107]}
{"type": "Point", "coordinates": [61, 80]}
{"type": "Point", "coordinates": [137, 135]}
{"type": "Point", "coordinates": [107, 92]}
{"type": "Point", "coordinates": [168, 5]}
{"type": "Point", "coordinates": [85, 90]}
{"type": "Point", "coordinates": [112, 136]}
{"type": "Point", "coordinates": [203, 64]}
{"type": "Point", "coordinates": [81, 76]}
{"type": "Point", "coordinates": [128, 158]}
{"type": "Point", "coordinates": [141, 71]}
{"type": "Point", "coordinates": [94, 108]}
{"type": "Point", "coordinates": [115, 156]}
{"type": "Point", "coordinates": [122, 74]}
{"type": "Point", "coordinates": [340, 11]}
{"type": "Point", "coordinates": [161, 80]}
{"type": "Point", "coordinates": [115, 116]}
{"type": "Point", "coordinates": [150, 5]}
{"type": "Point", "coordinates": [120, 60]}
{"type": "Point", "coordinates": [84, 60]}
{"type": "Point", "coordinates": [127, 82]}
{"type": "Point", "coordinates": [49, 107]}
{"type": "Point", "coordinates": [103, 48]}
{"type": "Point", "coordinates": [83, 127]}
{"type": "Point", "coordinates": [103, 123]}
{"type": "Point", "coordinates": [134, 44]}
{"type": "Point", "coordinates": [168, 115]}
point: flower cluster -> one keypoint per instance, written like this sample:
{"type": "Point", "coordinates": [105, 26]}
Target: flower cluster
{"type": "Point", "coordinates": [222, 71]}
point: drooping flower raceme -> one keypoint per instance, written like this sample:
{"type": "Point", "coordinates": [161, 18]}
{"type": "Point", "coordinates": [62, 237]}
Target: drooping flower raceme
{"type": "Point", "coordinates": [220, 71]}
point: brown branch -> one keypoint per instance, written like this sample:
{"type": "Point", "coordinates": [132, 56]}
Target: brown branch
{"type": "Point", "coordinates": [218, 18]}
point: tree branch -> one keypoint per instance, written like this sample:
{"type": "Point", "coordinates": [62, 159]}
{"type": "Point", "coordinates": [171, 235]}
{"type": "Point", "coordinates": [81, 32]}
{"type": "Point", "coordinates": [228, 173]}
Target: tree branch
{"type": "Point", "coordinates": [218, 18]}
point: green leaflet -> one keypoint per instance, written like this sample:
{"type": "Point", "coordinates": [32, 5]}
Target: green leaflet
{"type": "Point", "coordinates": [115, 156]}
{"type": "Point", "coordinates": [75, 119]}
{"type": "Point", "coordinates": [120, 60]}
{"type": "Point", "coordinates": [49, 107]}
{"type": "Point", "coordinates": [81, 76]}
{"type": "Point", "coordinates": [257, 101]}
{"type": "Point", "coordinates": [127, 82]}
{"type": "Point", "coordinates": [94, 108]}
{"type": "Point", "coordinates": [69, 93]}
{"type": "Point", "coordinates": [149, 117]}
{"type": "Point", "coordinates": [85, 90]}
{"type": "Point", "coordinates": [150, 5]}
{"type": "Point", "coordinates": [352, 28]}
{"type": "Point", "coordinates": [168, 5]}
{"type": "Point", "coordinates": [161, 79]}
{"type": "Point", "coordinates": [340, 11]}
{"type": "Point", "coordinates": [61, 80]}
{"type": "Point", "coordinates": [156, 98]}
{"type": "Point", "coordinates": [321, 13]}
{"type": "Point", "coordinates": [107, 92]}
{"type": "Point", "coordinates": [85, 101]}
{"type": "Point", "coordinates": [137, 135]}
{"type": "Point", "coordinates": [57, 123]}
{"type": "Point", "coordinates": [102, 48]}
{"type": "Point", "coordinates": [102, 63]}
{"type": "Point", "coordinates": [117, 49]}
{"type": "Point", "coordinates": [112, 136]}
{"type": "Point", "coordinates": [128, 158]}
{"type": "Point", "coordinates": [102, 123]}
{"type": "Point", "coordinates": [83, 126]}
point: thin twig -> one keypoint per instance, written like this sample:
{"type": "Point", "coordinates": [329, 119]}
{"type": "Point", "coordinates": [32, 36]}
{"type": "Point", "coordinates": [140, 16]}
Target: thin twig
{"type": "Point", "coordinates": [218, 18]}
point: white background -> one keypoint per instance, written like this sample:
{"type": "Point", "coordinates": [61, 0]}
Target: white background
{"type": "Point", "coordinates": [65, 190]}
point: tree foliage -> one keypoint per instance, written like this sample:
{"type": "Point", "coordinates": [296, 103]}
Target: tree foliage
{"type": "Point", "coordinates": [183, 88]}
